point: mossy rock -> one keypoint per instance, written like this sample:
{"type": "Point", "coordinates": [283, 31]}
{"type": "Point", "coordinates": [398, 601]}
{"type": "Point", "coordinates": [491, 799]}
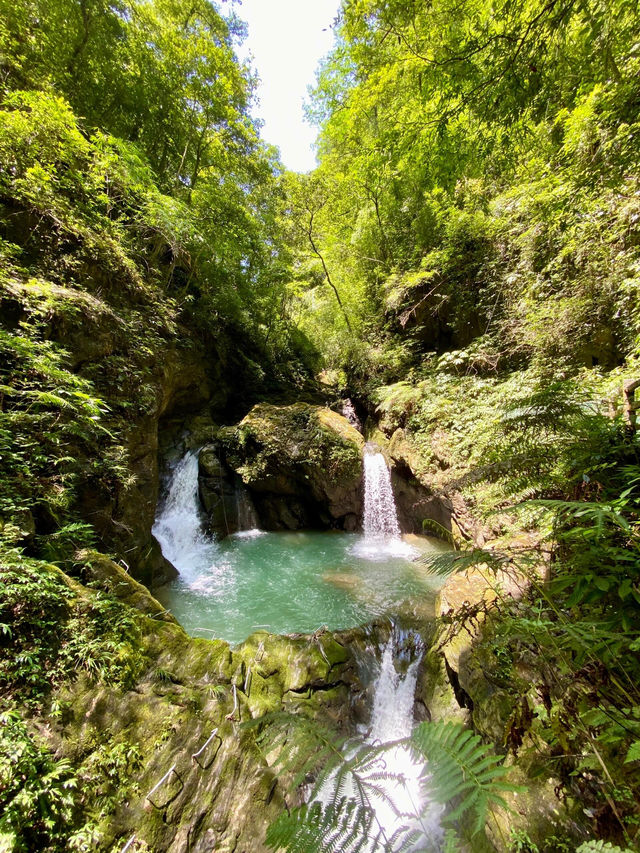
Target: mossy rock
{"type": "Point", "coordinates": [301, 463]}
{"type": "Point", "coordinates": [110, 577]}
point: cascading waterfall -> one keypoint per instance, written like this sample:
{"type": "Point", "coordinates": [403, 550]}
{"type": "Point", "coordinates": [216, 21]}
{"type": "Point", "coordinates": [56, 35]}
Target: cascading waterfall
{"type": "Point", "coordinates": [380, 516]}
{"type": "Point", "coordinates": [382, 538]}
{"type": "Point", "coordinates": [391, 720]}
{"type": "Point", "coordinates": [403, 802]}
{"type": "Point", "coordinates": [178, 525]}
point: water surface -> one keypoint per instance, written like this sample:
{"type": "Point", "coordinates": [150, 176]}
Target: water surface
{"type": "Point", "coordinates": [297, 582]}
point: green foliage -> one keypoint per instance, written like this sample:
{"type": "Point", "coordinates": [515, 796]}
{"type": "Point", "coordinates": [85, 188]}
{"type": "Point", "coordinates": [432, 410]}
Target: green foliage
{"type": "Point", "coordinates": [37, 793]}
{"type": "Point", "coordinates": [138, 69]}
{"type": "Point", "coordinates": [481, 177]}
{"type": "Point", "coordinates": [461, 770]}
{"type": "Point", "coordinates": [108, 772]}
{"type": "Point", "coordinates": [48, 415]}
{"type": "Point", "coordinates": [55, 631]}
{"type": "Point", "coordinates": [350, 779]}
{"type": "Point", "coordinates": [634, 752]}
{"type": "Point", "coordinates": [320, 828]}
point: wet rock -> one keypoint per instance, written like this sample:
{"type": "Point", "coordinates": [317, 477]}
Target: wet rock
{"type": "Point", "coordinates": [218, 490]}
{"type": "Point", "coordinates": [416, 502]}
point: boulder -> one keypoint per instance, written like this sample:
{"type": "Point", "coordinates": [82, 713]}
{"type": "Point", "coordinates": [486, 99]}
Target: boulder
{"type": "Point", "coordinates": [302, 465]}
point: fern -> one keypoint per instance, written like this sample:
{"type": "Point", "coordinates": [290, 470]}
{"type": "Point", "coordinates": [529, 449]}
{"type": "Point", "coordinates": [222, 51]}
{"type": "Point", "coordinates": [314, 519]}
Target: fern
{"type": "Point", "coordinates": [459, 561]}
{"type": "Point", "coordinates": [429, 525]}
{"type": "Point", "coordinates": [461, 768]}
{"type": "Point", "coordinates": [350, 781]}
{"type": "Point", "coordinates": [634, 752]}
{"type": "Point", "coordinates": [320, 828]}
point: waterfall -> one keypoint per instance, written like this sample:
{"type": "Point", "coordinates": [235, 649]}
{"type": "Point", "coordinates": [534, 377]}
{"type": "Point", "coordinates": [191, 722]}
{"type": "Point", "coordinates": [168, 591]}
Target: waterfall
{"type": "Point", "coordinates": [403, 801]}
{"type": "Point", "coordinates": [178, 525]}
{"type": "Point", "coordinates": [391, 720]}
{"type": "Point", "coordinates": [380, 517]}
{"type": "Point", "coordinates": [248, 526]}
{"type": "Point", "coordinates": [382, 537]}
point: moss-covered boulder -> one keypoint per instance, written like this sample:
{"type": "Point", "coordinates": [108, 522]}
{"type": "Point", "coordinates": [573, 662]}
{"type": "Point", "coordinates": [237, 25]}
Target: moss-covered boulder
{"type": "Point", "coordinates": [105, 574]}
{"type": "Point", "coordinates": [302, 465]}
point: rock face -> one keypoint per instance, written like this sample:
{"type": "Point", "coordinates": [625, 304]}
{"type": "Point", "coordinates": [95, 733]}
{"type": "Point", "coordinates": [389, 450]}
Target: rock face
{"type": "Point", "coordinates": [200, 779]}
{"type": "Point", "coordinates": [301, 464]}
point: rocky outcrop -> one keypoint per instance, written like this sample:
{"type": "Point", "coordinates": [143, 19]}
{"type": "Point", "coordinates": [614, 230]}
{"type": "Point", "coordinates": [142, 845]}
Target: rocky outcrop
{"type": "Point", "coordinates": [221, 492]}
{"type": "Point", "coordinates": [463, 679]}
{"type": "Point", "coordinates": [192, 773]}
{"type": "Point", "coordinates": [419, 503]}
{"type": "Point", "coordinates": [301, 464]}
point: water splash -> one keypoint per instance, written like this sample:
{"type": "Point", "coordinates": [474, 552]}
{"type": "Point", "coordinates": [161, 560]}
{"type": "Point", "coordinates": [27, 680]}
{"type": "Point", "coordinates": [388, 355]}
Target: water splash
{"type": "Point", "coordinates": [178, 525]}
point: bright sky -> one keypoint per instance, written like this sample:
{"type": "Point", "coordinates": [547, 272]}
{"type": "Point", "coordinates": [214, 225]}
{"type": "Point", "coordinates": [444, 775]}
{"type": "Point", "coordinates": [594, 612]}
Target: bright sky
{"type": "Point", "coordinates": [287, 39]}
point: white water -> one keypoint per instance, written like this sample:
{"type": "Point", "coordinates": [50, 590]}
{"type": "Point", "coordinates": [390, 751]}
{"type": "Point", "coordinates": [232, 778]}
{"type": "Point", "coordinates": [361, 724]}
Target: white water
{"type": "Point", "coordinates": [178, 525]}
{"type": "Point", "coordinates": [382, 538]}
{"type": "Point", "coordinates": [405, 802]}
{"type": "Point", "coordinates": [392, 719]}
{"type": "Point", "coordinates": [380, 516]}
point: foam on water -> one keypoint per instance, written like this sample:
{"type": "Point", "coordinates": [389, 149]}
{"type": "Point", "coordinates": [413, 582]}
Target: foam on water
{"type": "Point", "coordinates": [392, 719]}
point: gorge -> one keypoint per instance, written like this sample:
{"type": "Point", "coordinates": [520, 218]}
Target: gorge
{"type": "Point", "coordinates": [320, 479]}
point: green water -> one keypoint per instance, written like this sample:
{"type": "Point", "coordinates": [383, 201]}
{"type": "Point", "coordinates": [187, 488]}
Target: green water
{"type": "Point", "coordinates": [297, 582]}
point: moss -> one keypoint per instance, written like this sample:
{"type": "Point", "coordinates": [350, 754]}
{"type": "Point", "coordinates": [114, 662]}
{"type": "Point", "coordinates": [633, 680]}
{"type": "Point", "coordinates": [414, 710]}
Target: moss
{"type": "Point", "coordinates": [333, 651]}
{"type": "Point", "coordinates": [103, 573]}
{"type": "Point", "coordinates": [305, 434]}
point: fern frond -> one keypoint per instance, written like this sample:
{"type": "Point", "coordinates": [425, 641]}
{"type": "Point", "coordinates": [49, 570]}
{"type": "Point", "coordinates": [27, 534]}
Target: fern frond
{"type": "Point", "coordinates": [461, 768]}
{"type": "Point", "coordinates": [634, 752]}
{"type": "Point", "coordinates": [430, 525]}
{"type": "Point", "coordinates": [342, 827]}
{"type": "Point", "coordinates": [459, 561]}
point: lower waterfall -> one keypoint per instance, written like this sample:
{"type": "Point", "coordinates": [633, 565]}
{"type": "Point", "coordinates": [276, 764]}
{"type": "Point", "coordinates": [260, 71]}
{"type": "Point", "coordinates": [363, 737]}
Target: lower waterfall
{"type": "Point", "coordinates": [403, 805]}
{"type": "Point", "coordinates": [391, 720]}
